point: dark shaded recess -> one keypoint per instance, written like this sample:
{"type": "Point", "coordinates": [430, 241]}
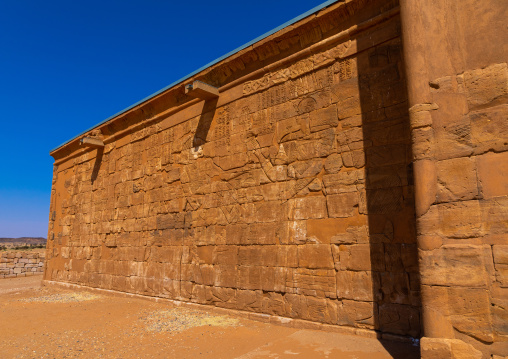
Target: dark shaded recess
{"type": "Point", "coordinates": [205, 121]}
{"type": "Point", "coordinates": [97, 164]}
{"type": "Point", "coordinates": [389, 187]}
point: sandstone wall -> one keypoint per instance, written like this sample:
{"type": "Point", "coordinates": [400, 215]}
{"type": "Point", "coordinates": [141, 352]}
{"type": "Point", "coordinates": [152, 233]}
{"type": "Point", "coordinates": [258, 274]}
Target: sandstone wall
{"type": "Point", "coordinates": [456, 57]}
{"type": "Point", "coordinates": [21, 264]}
{"type": "Point", "coordinates": [290, 195]}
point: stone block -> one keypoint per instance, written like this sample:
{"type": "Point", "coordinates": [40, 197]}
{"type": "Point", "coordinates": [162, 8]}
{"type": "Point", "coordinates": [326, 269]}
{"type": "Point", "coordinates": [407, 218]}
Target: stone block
{"type": "Point", "coordinates": [485, 86]}
{"type": "Point", "coordinates": [225, 254]}
{"type": "Point", "coordinates": [355, 285]}
{"type": "Point", "coordinates": [453, 220]}
{"type": "Point", "coordinates": [305, 169]}
{"type": "Point", "coordinates": [388, 132]}
{"type": "Point", "coordinates": [470, 312]}
{"type": "Point", "coordinates": [425, 178]}
{"type": "Point", "coordinates": [420, 116]}
{"type": "Point", "coordinates": [249, 300]}
{"type": "Point", "coordinates": [342, 205]}
{"type": "Point", "coordinates": [205, 254]}
{"type": "Point", "coordinates": [296, 306]}
{"type": "Point", "coordinates": [166, 221]}
{"type": "Point", "coordinates": [273, 304]}
{"type": "Point", "coordinates": [249, 277]}
{"type": "Point", "coordinates": [236, 233]}
{"type": "Point", "coordinates": [343, 181]}
{"type": "Point", "coordinates": [315, 256]}
{"type": "Point", "coordinates": [347, 94]}
{"type": "Point", "coordinates": [333, 163]}
{"type": "Point", "coordinates": [226, 276]}
{"type": "Point", "coordinates": [318, 144]}
{"type": "Point", "coordinates": [307, 208]}
{"type": "Point", "coordinates": [324, 118]}
{"type": "Point", "coordinates": [493, 174]}
{"type": "Point", "coordinates": [489, 129]}
{"type": "Point", "coordinates": [350, 139]}
{"type": "Point", "coordinates": [386, 177]}
{"type": "Point", "coordinates": [273, 279]}
{"type": "Point", "coordinates": [399, 319]}
{"type": "Point", "coordinates": [395, 287]}
{"type": "Point", "coordinates": [452, 127]}
{"type": "Point", "coordinates": [499, 310]}
{"type": "Point", "coordinates": [338, 230]}
{"type": "Point", "coordinates": [355, 158]}
{"type": "Point", "coordinates": [457, 180]}
{"type": "Point", "coordinates": [434, 348]}
{"type": "Point", "coordinates": [313, 282]}
{"type": "Point", "coordinates": [361, 257]}
{"type": "Point", "coordinates": [386, 155]}
{"type": "Point", "coordinates": [357, 314]}
{"type": "Point", "coordinates": [262, 233]}
{"type": "Point", "coordinates": [322, 310]}
{"type": "Point", "coordinates": [495, 215]}
{"type": "Point", "coordinates": [455, 265]}
{"type": "Point", "coordinates": [293, 128]}
{"type": "Point", "coordinates": [293, 232]}
{"type": "Point", "coordinates": [500, 253]}
{"type": "Point", "coordinates": [271, 211]}
{"type": "Point", "coordinates": [250, 255]}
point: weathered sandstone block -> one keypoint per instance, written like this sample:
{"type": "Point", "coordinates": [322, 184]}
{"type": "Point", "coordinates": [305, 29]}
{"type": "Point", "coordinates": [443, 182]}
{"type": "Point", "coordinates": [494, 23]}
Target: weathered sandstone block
{"type": "Point", "coordinates": [456, 265]}
{"type": "Point", "coordinates": [457, 179]}
{"type": "Point", "coordinates": [486, 85]}
{"type": "Point", "coordinates": [492, 173]}
{"type": "Point", "coordinates": [447, 349]}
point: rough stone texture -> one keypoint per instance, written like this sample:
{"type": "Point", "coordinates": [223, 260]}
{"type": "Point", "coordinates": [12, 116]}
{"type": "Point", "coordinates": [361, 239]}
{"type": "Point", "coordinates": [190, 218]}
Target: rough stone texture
{"type": "Point", "coordinates": [458, 107]}
{"type": "Point", "coordinates": [323, 184]}
{"type": "Point", "coordinates": [448, 349]}
{"type": "Point", "coordinates": [21, 264]}
{"type": "Point", "coordinates": [258, 201]}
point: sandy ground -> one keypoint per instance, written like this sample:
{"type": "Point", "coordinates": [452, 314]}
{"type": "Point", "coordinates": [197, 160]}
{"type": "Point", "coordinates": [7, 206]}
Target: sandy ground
{"type": "Point", "coordinates": [41, 322]}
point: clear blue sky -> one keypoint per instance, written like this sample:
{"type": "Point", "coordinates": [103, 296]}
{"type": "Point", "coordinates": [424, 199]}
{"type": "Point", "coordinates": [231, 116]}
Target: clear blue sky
{"type": "Point", "coordinates": [67, 65]}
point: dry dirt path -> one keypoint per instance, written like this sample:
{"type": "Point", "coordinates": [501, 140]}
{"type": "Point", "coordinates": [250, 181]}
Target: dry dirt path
{"type": "Point", "coordinates": [45, 322]}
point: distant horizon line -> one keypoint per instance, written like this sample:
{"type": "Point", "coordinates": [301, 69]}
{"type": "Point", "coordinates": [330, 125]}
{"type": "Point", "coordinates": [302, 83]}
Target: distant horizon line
{"type": "Point", "coordinates": [23, 238]}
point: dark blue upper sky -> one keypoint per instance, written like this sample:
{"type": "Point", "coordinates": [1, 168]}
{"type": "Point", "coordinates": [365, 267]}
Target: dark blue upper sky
{"type": "Point", "coordinates": [68, 65]}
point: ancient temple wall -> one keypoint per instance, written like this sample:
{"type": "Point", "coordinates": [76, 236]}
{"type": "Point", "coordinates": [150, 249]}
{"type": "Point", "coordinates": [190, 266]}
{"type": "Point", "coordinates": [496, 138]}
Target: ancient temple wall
{"type": "Point", "coordinates": [290, 195]}
{"type": "Point", "coordinates": [456, 57]}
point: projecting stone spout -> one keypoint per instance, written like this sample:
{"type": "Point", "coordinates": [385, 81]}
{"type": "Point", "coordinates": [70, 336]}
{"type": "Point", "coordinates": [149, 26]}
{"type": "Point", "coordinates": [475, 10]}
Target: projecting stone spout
{"type": "Point", "coordinates": [91, 142]}
{"type": "Point", "coordinates": [201, 90]}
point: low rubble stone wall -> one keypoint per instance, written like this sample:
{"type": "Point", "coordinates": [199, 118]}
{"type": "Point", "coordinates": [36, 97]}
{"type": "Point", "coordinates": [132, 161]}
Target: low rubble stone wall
{"type": "Point", "coordinates": [21, 264]}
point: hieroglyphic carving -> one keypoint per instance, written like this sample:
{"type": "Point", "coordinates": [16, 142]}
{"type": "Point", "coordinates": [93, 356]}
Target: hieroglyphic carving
{"type": "Point", "coordinates": [222, 130]}
{"type": "Point", "coordinates": [311, 82]}
{"type": "Point", "coordinates": [301, 67]}
{"type": "Point", "coordinates": [296, 70]}
{"type": "Point", "coordinates": [323, 78]}
{"type": "Point", "coordinates": [345, 69]}
{"type": "Point", "coordinates": [306, 105]}
{"type": "Point", "coordinates": [273, 96]}
{"type": "Point", "coordinates": [262, 123]}
{"type": "Point", "coordinates": [244, 122]}
{"type": "Point", "coordinates": [340, 51]}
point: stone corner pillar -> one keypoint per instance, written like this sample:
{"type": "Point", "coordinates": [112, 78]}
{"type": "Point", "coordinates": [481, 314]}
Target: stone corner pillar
{"type": "Point", "coordinates": [427, 58]}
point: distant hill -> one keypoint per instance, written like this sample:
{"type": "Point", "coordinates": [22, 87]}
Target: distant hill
{"type": "Point", "coordinates": [35, 240]}
{"type": "Point", "coordinates": [7, 243]}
